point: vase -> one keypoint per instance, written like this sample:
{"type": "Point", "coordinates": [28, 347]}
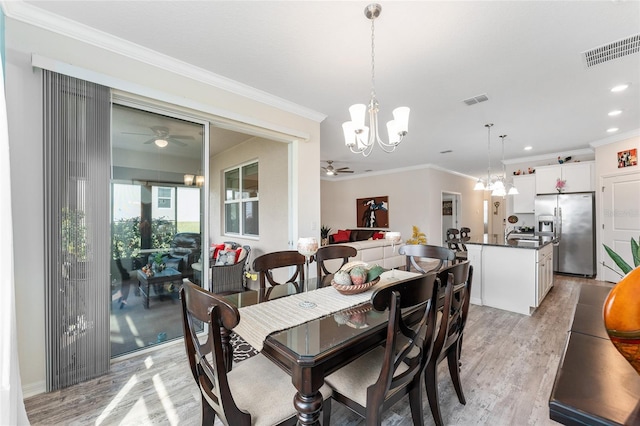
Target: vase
{"type": "Point", "coordinates": [621, 313]}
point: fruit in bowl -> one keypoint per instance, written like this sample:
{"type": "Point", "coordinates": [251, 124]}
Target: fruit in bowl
{"type": "Point", "coordinates": [358, 275]}
{"type": "Point", "coordinates": [342, 278]}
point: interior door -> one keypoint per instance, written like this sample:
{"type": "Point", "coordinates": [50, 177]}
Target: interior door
{"type": "Point", "coordinates": [620, 207]}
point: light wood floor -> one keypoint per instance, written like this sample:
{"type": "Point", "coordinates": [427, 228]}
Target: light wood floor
{"type": "Point", "coordinates": [509, 364]}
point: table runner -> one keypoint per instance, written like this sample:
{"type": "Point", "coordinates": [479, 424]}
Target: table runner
{"type": "Point", "coordinates": [260, 320]}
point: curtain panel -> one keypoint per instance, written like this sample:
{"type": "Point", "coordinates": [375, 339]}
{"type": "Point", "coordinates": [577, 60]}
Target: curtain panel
{"type": "Point", "coordinates": [77, 157]}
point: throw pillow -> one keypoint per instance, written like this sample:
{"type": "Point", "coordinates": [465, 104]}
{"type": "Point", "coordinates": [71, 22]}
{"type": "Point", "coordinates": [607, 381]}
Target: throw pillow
{"type": "Point", "coordinates": [225, 258]}
{"type": "Point", "coordinates": [216, 248]}
{"type": "Point", "coordinates": [378, 236]}
{"type": "Point", "coordinates": [342, 236]}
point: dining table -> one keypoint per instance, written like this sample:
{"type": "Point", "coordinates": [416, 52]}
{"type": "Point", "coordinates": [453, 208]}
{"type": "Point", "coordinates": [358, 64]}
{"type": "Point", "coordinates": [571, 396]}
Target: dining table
{"type": "Point", "coordinates": [311, 343]}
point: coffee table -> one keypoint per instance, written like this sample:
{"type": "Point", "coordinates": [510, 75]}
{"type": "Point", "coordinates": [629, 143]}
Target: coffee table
{"type": "Point", "coordinates": [158, 278]}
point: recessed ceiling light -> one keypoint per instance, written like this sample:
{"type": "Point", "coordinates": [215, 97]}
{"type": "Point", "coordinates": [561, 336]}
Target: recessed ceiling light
{"type": "Point", "coordinates": [620, 87]}
{"type": "Point", "coordinates": [615, 112]}
{"type": "Point", "coordinates": [528, 148]}
{"type": "Point", "coordinates": [612, 130]}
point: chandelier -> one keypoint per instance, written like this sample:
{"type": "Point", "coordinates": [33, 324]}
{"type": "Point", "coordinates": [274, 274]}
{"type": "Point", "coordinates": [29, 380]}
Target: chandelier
{"type": "Point", "coordinates": [480, 185]}
{"type": "Point", "coordinates": [359, 138]}
{"type": "Point", "coordinates": [501, 184]}
{"type": "Point", "coordinates": [497, 184]}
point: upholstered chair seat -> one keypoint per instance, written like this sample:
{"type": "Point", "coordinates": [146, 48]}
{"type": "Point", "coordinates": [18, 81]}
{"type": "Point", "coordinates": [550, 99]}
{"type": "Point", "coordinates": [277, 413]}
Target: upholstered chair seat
{"type": "Point", "coordinates": [268, 400]}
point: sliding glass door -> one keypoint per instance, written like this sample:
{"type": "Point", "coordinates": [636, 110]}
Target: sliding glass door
{"type": "Point", "coordinates": [157, 224]}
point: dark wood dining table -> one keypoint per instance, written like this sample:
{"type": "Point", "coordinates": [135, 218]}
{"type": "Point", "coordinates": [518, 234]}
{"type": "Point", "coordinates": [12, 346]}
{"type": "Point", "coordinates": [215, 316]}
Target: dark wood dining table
{"type": "Point", "coordinates": [311, 351]}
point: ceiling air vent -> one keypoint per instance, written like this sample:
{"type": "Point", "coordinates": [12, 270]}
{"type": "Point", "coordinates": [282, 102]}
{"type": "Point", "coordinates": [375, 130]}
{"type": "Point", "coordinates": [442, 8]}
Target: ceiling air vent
{"type": "Point", "coordinates": [608, 52]}
{"type": "Point", "coordinates": [476, 99]}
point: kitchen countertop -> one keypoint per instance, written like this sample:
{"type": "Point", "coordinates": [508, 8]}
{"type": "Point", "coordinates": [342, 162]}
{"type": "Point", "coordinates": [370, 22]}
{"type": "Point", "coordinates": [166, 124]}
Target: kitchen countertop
{"type": "Point", "coordinates": [497, 240]}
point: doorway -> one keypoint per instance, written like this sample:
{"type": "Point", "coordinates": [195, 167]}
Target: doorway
{"type": "Point", "coordinates": [156, 223]}
{"type": "Point", "coordinates": [450, 212]}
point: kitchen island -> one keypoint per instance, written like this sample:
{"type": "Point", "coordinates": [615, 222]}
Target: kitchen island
{"type": "Point", "coordinates": [514, 275]}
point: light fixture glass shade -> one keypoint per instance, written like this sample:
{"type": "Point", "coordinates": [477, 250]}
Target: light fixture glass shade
{"type": "Point", "coordinates": [401, 117]}
{"type": "Point", "coordinates": [498, 192]}
{"type": "Point", "coordinates": [358, 113]}
{"type": "Point", "coordinates": [349, 133]}
{"type": "Point", "coordinates": [363, 138]}
{"type": "Point", "coordinates": [479, 186]}
{"type": "Point", "coordinates": [161, 143]}
{"type": "Point", "coordinates": [199, 180]}
{"type": "Point", "coordinates": [188, 179]}
{"type": "Point", "coordinates": [498, 185]}
{"type": "Point", "coordinates": [392, 129]}
{"type": "Point", "coordinates": [513, 191]}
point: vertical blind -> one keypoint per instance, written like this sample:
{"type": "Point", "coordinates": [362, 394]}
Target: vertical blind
{"type": "Point", "coordinates": [77, 158]}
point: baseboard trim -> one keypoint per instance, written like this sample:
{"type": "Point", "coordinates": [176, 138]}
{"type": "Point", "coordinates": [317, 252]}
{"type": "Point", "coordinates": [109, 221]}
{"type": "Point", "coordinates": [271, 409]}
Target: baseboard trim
{"type": "Point", "coordinates": [34, 389]}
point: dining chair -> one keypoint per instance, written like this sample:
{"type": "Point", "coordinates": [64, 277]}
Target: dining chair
{"type": "Point", "coordinates": [374, 382]}
{"type": "Point", "coordinates": [279, 260]}
{"type": "Point", "coordinates": [416, 252]}
{"type": "Point", "coordinates": [454, 243]}
{"type": "Point", "coordinates": [455, 282]}
{"type": "Point", "coordinates": [334, 251]}
{"type": "Point", "coordinates": [236, 396]}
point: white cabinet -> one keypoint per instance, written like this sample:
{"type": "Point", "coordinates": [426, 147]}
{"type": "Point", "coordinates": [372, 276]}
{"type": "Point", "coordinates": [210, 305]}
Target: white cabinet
{"type": "Point", "coordinates": [578, 177]}
{"type": "Point", "coordinates": [544, 280]}
{"type": "Point", "coordinates": [524, 201]}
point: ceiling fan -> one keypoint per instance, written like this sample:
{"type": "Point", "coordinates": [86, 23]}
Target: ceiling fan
{"type": "Point", "coordinates": [162, 137]}
{"type": "Point", "coordinates": [332, 171]}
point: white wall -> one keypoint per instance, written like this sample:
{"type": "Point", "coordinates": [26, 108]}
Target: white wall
{"type": "Point", "coordinates": [274, 194]}
{"type": "Point", "coordinates": [24, 109]}
{"type": "Point", "coordinates": [415, 198]}
{"type": "Point", "coordinates": [607, 166]}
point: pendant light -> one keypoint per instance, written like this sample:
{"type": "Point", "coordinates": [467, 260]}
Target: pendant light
{"type": "Point", "coordinates": [361, 139]}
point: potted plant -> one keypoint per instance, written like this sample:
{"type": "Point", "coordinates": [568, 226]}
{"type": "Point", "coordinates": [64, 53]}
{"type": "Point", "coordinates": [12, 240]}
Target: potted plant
{"type": "Point", "coordinates": [324, 235]}
{"type": "Point", "coordinates": [417, 237]}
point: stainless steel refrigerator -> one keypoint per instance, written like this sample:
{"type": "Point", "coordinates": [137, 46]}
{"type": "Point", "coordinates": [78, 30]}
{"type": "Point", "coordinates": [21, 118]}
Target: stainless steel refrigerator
{"type": "Point", "coordinates": [570, 219]}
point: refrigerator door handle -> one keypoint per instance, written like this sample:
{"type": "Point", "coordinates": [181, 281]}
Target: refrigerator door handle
{"type": "Point", "coordinates": [559, 222]}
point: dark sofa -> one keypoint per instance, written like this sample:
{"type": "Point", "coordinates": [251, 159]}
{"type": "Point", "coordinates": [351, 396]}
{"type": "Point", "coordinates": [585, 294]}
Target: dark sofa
{"type": "Point", "coordinates": [356, 235]}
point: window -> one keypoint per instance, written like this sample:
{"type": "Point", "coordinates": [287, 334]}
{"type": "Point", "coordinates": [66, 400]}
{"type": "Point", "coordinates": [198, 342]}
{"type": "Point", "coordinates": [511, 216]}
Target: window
{"type": "Point", "coordinates": [164, 198]}
{"type": "Point", "coordinates": [241, 204]}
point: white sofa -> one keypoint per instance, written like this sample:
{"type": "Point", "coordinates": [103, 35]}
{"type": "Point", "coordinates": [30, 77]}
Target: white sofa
{"type": "Point", "coordinates": [379, 252]}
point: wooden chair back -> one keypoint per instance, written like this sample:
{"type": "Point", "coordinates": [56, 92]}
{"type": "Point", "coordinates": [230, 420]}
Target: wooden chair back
{"type": "Point", "coordinates": [464, 237]}
{"type": "Point", "coordinates": [334, 251]}
{"type": "Point", "coordinates": [371, 384]}
{"type": "Point", "coordinates": [454, 298]}
{"type": "Point", "coordinates": [209, 361]}
{"type": "Point", "coordinates": [414, 252]}
{"type": "Point", "coordinates": [266, 263]}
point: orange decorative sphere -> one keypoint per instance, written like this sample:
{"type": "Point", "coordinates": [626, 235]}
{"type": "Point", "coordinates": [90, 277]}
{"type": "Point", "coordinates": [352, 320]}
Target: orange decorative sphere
{"type": "Point", "coordinates": [622, 317]}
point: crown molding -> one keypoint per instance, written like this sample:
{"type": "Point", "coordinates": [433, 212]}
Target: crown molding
{"type": "Point", "coordinates": [616, 138]}
{"type": "Point", "coordinates": [550, 156]}
{"type": "Point", "coordinates": [35, 16]}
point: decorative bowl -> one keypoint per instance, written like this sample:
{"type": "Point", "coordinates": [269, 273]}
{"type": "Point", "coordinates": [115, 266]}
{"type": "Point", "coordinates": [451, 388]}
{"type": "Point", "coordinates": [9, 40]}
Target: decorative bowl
{"type": "Point", "coordinates": [354, 289]}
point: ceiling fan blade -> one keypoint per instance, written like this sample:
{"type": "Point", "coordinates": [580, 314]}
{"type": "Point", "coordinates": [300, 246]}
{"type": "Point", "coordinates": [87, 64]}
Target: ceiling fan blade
{"type": "Point", "coordinates": [134, 133]}
{"type": "Point", "coordinates": [342, 168]}
{"type": "Point", "coordinates": [345, 171]}
{"type": "Point", "coordinates": [181, 137]}
{"type": "Point", "coordinates": [324, 168]}
{"type": "Point", "coordinates": [177, 142]}
{"type": "Point", "coordinates": [153, 139]}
